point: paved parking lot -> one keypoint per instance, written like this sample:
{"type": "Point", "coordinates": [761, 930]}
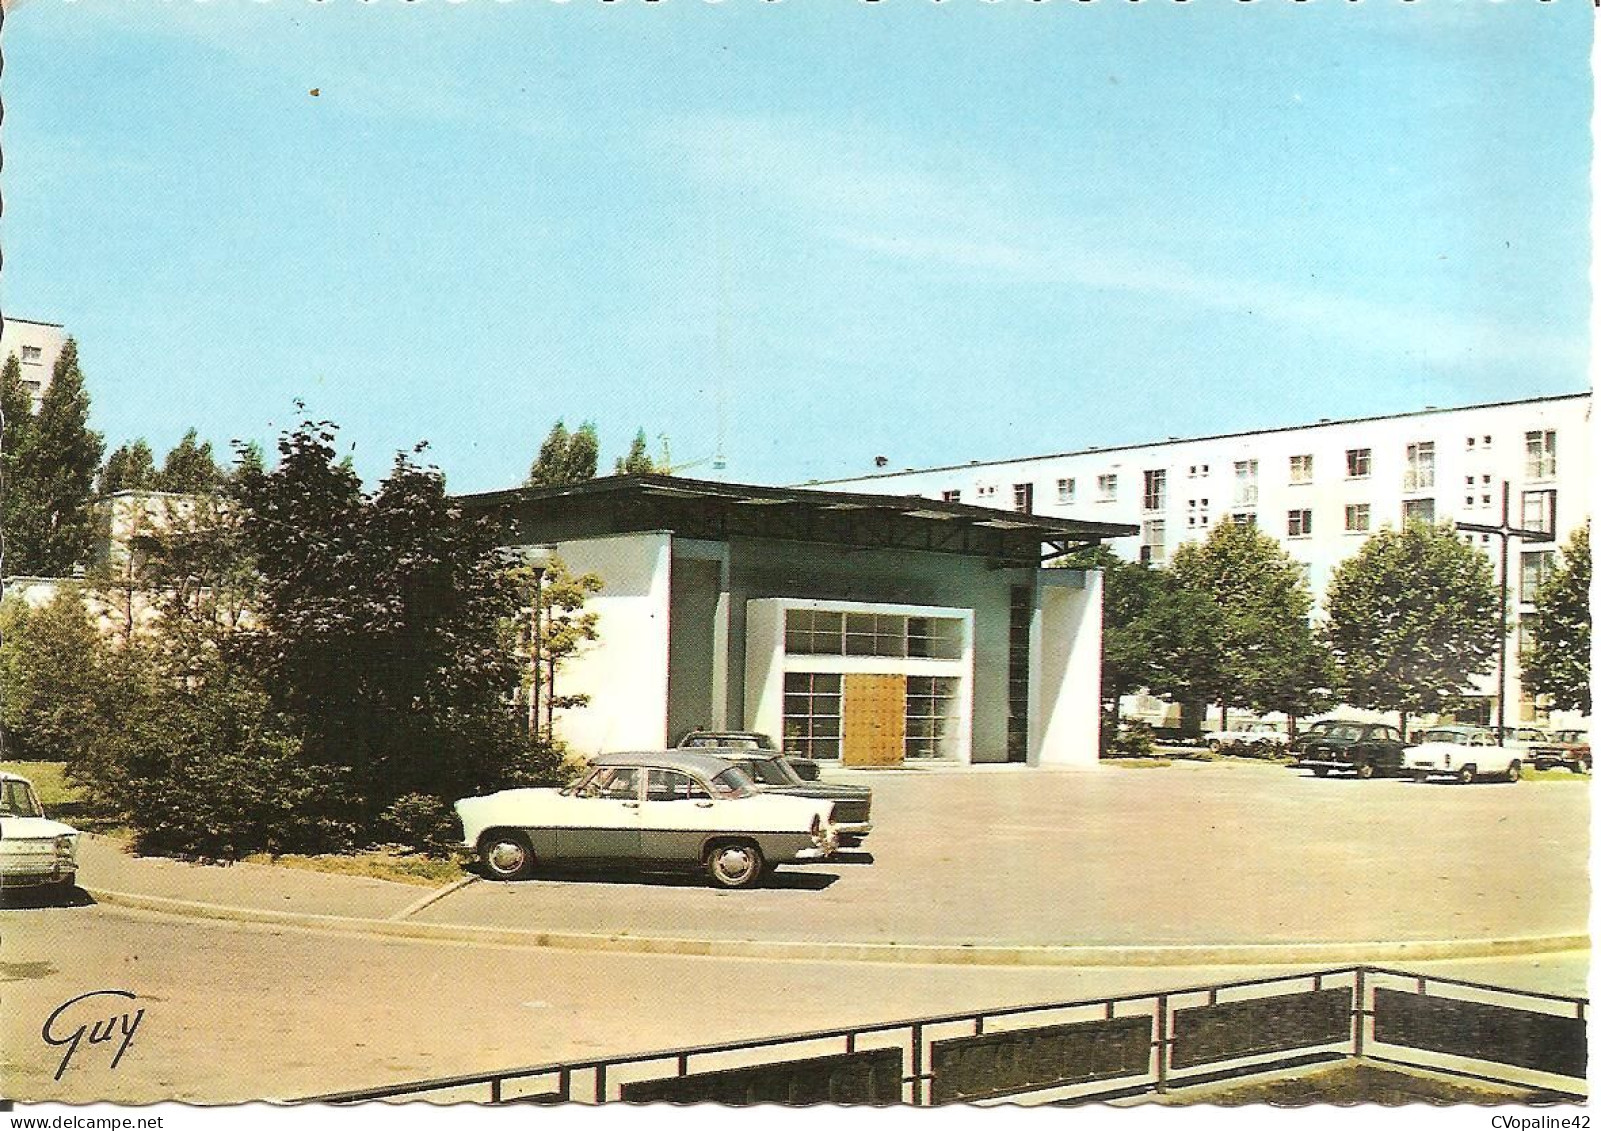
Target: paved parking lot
{"type": "Point", "coordinates": [1200, 853]}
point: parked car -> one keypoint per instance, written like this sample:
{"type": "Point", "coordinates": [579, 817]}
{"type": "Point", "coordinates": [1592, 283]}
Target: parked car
{"type": "Point", "coordinates": [1364, 749]}
{"type": "Point", "coordinates": [775, 773]}
{"type": "Point", "coordinates": [1250, 734]}
{"type": "Point", "coordinates": [1523, 738]}
{"type": "Point", "coordinates": [1570, 748]}
{"type": "Point", "coordinates": [34, 849]}
{"type": "Point", "coordinates": [670, 809]}
{"type": "Point", "coordinates": [1310, 733]}
{"type": "Point", "coordinates": [804, 768]}
{"type": "Point", "coordinates": [1462, 753]}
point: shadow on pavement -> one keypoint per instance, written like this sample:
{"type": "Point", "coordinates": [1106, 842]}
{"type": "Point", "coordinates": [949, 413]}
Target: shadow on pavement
{"type": "Point", "coordinates": [786, 879]}
{"type": "Point", "coordinates": [43, 895]}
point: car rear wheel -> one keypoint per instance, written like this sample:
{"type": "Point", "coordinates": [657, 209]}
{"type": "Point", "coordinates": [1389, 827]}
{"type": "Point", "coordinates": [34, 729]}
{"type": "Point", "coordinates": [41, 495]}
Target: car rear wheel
{"type": "Point", "coordinates": [1420, 778]}
{"type": "Point", "coordinates": [1214, 745]}
{"type": "Point", "coordinates": [1364, 770]}
{"type": "Point", "coordinates": [734, 864]}
{"type": "Point", "coordinates": [1320, 771]}
{"type": "Point", "coordinates": [506, 855]}
{"type": "Point", "coordinates": [1466, 775]}
{"type": "Point", "coordinates": [1514, 771]}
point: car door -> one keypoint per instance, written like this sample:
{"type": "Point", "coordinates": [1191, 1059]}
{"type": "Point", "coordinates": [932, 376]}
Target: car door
{"type": "Point", "coordinates": [678, 814]}
{"type": "Point", "coordinates": [1384, 747]}
{"type": "Point", "coordinates": [603, 819]}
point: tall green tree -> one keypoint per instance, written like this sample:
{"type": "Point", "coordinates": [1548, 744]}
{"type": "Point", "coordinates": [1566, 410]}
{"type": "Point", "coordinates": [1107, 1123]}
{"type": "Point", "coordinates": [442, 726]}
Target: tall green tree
{"type": "Point", "coordinates": [131, 467]}
{"type": "Point", "coordinates": [566, 457]}
{"type": "Point", "coordinates": [1155, 634]}
{"type": "Point", "coordinates": [384, 627]}
{"type": "Point", "coordinates": [638, 460]}
{"type": "Point", "coordinates": [190, 467]}
{"type": "Point", "coordinates": [17, 499]}
{"type": "Point", "coordinates": [1413, 617]}
{"type": "Point", "coordinates": [1265, 650]}
{"type": "Point", "coordinates": [1557, 662]}
{"type": "Point", "coordinates": [51, 678]}
{"type": "Point", "coordinates": [50, 487]}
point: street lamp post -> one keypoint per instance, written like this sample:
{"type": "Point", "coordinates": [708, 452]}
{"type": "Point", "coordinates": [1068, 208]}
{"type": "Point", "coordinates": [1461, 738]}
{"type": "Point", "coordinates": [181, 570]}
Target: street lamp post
{"type": "Point", "coordinates": [538, 559]}
{"type": "Point", "coordinates": [1505, 531]}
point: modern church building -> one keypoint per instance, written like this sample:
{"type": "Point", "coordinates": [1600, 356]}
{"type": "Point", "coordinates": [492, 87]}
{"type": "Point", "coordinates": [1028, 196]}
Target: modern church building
{"type": "Point", "coordinates": [868, 629]}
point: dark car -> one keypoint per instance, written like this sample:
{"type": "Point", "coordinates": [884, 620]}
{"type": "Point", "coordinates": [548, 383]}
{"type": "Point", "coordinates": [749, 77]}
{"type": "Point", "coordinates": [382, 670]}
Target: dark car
{"type": "Point", "coordinates": [1570, 748]}
{"type": "Point", "coordinates": [775, 773]}
{"type": "Point", "coordinates": [1365, 749]}
{"type": "Point", "coordinates": [726, 740]}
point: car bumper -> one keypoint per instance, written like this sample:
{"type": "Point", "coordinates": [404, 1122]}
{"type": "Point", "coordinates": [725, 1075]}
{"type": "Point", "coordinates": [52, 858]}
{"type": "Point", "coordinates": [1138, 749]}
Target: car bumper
{"type": "Point", "coordinates": [17, 876]}
{"type": "Point", "coordinates": [854, 830]}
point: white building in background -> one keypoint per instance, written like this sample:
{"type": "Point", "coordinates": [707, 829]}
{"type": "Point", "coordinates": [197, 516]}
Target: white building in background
{"type": "Point", "coordinates": [1322, 489]}
{"type": "Point", "coordinates": [36, 346]}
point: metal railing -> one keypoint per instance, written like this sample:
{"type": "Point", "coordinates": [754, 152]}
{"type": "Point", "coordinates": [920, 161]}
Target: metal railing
{"type": "Point", "coordinates": [1079, 1050]}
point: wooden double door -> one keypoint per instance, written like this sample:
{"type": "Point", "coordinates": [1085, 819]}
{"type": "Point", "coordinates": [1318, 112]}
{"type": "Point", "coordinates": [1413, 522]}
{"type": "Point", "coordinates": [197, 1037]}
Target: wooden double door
{"type": "Point", "coordinates": [873, 726]}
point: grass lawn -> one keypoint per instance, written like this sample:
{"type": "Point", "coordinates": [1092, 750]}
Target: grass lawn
{"type": "Point", "coordinates": [50, 779]}
{"type": "Point", "coordinates": [379, 864]}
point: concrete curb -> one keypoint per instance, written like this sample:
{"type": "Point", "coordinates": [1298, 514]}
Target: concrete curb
{"type": "Point", "coordinates": [1201, 954]}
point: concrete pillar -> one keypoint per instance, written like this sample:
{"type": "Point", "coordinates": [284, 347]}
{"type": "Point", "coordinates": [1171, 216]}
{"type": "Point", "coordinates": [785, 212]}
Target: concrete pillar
{"type": "Point", "coordinates": [1065, 669]}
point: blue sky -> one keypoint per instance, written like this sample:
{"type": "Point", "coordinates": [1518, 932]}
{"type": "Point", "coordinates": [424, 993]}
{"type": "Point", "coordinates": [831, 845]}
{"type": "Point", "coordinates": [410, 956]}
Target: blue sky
{"type": "Point", "coordinates": [931, 231]}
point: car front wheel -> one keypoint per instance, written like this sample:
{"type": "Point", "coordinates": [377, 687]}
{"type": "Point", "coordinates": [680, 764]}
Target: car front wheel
{"type": "Point", "coordinates": [506, 855]}
{"type": "Point", "coordinates": [734, 864]}
{"type": "Point", "coordinates": [1514, 771]}
{"type": "Point", "coordinates": [1320, 771]}
{"type": "Point", "coordinates": [1364, 770]}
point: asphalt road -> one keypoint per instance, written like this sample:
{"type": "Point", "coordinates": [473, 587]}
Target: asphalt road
{"type": "Point", "coordinates": [239, 1012]}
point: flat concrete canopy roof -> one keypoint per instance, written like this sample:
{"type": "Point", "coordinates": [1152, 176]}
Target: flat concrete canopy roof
{"type": "Point", "coordinates": [698, 508]}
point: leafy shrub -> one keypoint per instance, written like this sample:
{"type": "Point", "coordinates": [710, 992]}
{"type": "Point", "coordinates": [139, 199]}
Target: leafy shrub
{"type": "Point", "coordinates": [418, 821]}
{"type": "Point", "coordinates": [1134, 739]}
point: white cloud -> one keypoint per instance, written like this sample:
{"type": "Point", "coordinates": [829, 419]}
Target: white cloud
{"type": "Point", "coordinates": [953, 210]}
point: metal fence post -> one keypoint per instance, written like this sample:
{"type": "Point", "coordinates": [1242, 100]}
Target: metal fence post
{"type": "Point", "coordinates": [917, 1066]}
{"type": "Point", "coordinates": [1161, 1043]}
{"type": "Point", "coordinates": [1359, 1012]}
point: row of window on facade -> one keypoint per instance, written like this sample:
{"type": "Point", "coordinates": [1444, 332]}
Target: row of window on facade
{"type": "Point", "coordinates": [1539, 514]}
{"type": "Point", "coordinates": [1540, 462]}
{"type": "Point", "coordinates": [814, 632]}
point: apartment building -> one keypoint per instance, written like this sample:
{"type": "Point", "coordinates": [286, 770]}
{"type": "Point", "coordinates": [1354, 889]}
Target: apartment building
{"type": "Point", "coordinates": [1322, 489]}
{"type": "Point", "coordinates": [36, 346]}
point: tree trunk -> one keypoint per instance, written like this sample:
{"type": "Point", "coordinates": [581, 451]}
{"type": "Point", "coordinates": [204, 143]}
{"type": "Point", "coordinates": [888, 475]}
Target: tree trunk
{"type": "Point", "coordinates": [1225, 718]}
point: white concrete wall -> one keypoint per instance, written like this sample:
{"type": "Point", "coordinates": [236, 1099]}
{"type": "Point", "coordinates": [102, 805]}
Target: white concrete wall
{"type": "Point", "coordinates": [1065, 675]}
{"type": "Point", "coordinates": [624, 672]}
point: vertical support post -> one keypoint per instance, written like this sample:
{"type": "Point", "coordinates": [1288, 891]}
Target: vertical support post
{"type": "Point", "coordinates": [494, 1090]}
{"type": "Point", "coordinates": [1500, 663]}
{"type": "Point", "coordinates": [917, 1066]}
{"type": "Point", "coordinates": [600, 1083]}
{"type": "Point", "coordinates": [538, 645]}
{"type": "Point", "coordinates": [564, 1084]}
{"type": "Point", "coordinates": [1161, 1043]}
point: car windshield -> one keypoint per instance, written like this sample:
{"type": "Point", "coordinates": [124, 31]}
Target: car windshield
{"type": "Point", "coordinates": [721, 742]}
{"type": "Point", "coordinates": [1574, 736]}
{"type": "Point", "coordinates": [1343, 731]}
{"type": "Point", "coordinates": [1446, 734]}
{"type": "Point", "coordinates": [767, 771]}
{"type": "Point", "coordinates": [17, 799]}
{"type": "Point", "coordinates": [732, 782]}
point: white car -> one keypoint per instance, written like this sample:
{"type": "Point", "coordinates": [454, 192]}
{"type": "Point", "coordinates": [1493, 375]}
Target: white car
{"type": "Point", "coordinates": [673, 809]}
{"type": "Point", "coordinates": [1463, 753]}
{"type": "Point", "coordinates": [34, 850]}
{"type": "Point", "coordinates": [1250, 734]}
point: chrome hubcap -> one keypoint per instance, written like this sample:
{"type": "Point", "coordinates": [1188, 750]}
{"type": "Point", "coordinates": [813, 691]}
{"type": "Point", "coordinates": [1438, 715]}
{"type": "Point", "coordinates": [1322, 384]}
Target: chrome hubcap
{"type": "Point", "coordinates": [734, 863]}
{"type": "Point", "coordinates": [506, 857]}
